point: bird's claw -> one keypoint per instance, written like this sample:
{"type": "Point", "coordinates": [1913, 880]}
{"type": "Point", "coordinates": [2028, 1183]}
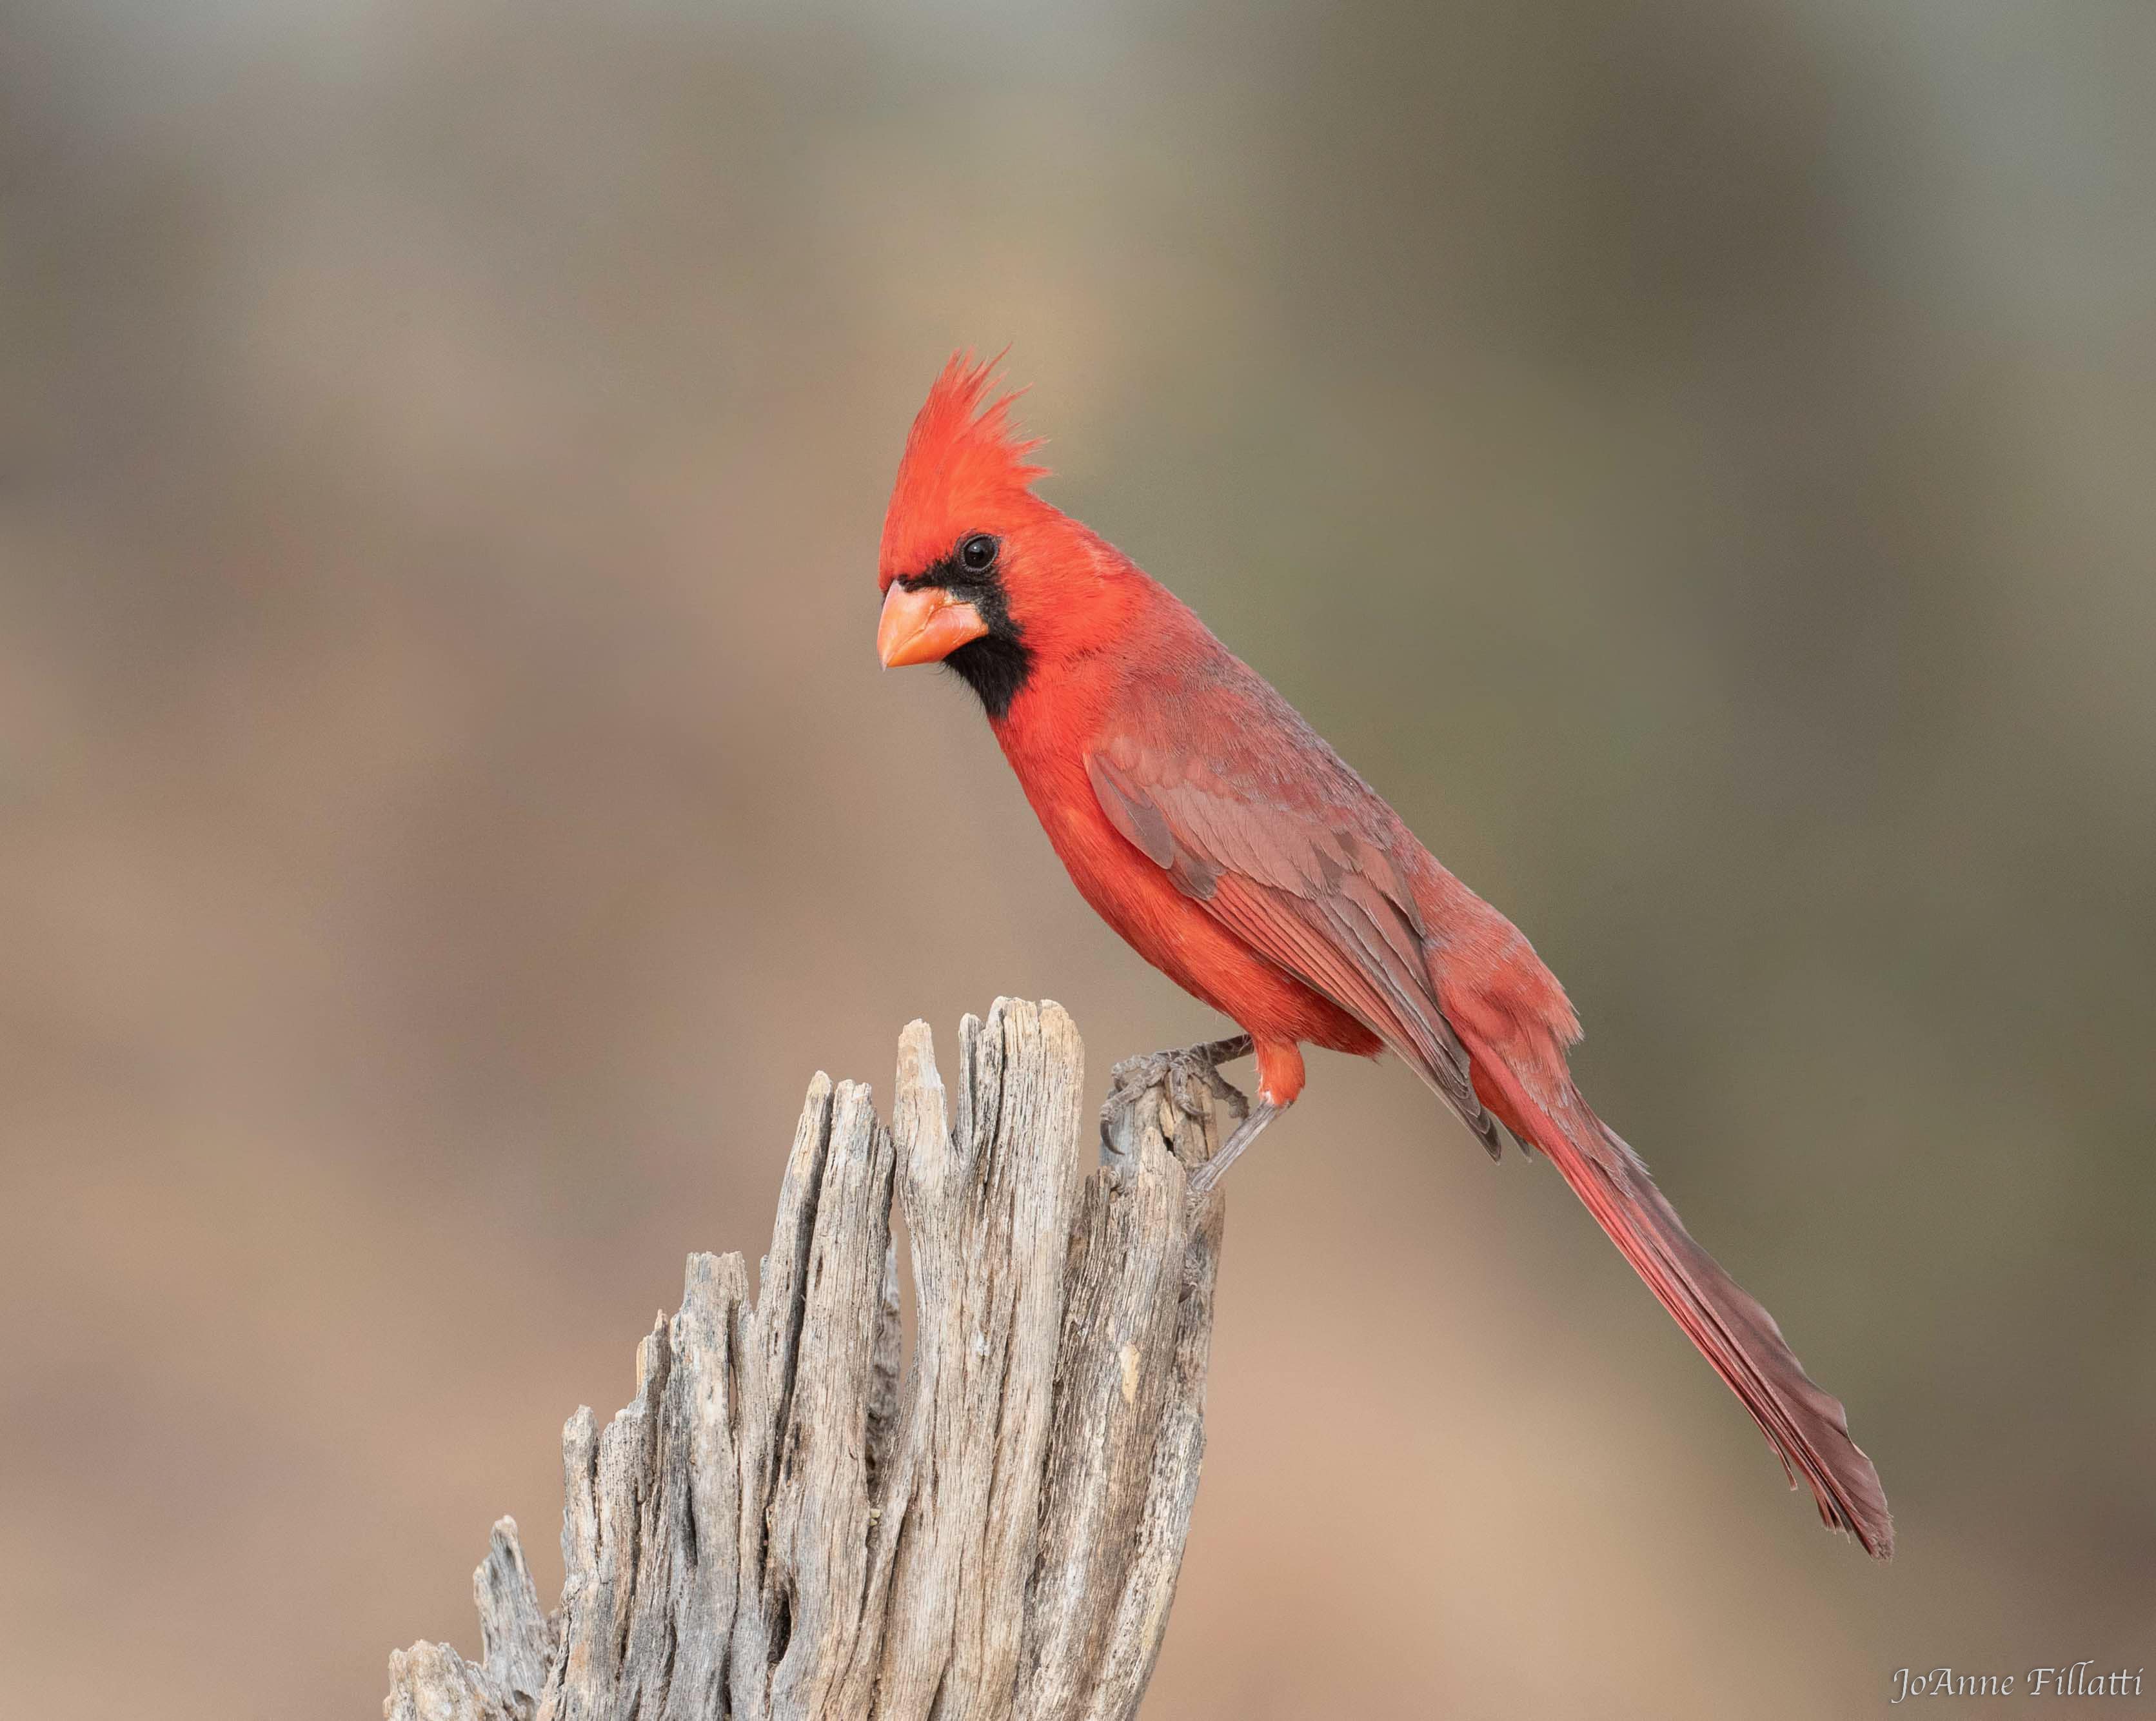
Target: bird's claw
{"type": "Point", "coordinates": [1189, 1076]}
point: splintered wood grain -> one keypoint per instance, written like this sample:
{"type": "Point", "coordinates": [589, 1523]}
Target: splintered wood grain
{"type": "Point", "coordinates": [1122, 1462]}
{"type": "Point", "coordinates": [816, 1560]}
{"type": "Point", "coordinates": [790, 1519]}
{"type": "Point", "coordinates": [989, 1213]}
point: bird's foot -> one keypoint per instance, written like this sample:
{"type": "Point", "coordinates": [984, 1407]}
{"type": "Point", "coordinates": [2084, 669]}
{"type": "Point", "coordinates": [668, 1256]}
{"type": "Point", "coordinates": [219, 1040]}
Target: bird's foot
{"type": "Point", "coordinates": [1189, 1076]}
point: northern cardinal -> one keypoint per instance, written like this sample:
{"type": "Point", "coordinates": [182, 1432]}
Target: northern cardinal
{"type": "Point", "coordinates": [1238, 854]}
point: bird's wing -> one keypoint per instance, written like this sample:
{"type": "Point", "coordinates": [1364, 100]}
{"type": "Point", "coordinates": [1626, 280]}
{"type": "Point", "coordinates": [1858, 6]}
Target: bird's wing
{"type": "Point", "coordinates": [1289, 850]}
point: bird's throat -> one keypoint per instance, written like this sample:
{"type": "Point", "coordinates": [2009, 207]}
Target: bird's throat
{"type": "Point", "coordinates": [997, 667]}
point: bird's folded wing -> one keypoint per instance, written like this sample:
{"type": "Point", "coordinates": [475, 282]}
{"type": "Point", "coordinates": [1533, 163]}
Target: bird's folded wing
{"type": "Point", "coordinates": [1310, 893]}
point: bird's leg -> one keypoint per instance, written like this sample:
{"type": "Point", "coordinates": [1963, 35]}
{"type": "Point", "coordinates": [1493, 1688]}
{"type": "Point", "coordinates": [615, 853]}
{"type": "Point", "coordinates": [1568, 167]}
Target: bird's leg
{"type": "Point", "coordinates": [1214, 1169]}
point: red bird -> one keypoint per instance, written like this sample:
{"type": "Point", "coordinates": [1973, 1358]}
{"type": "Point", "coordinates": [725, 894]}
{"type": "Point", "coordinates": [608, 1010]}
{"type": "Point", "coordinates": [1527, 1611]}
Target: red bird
{"type": "Point", "coordinates": [1238, 854]}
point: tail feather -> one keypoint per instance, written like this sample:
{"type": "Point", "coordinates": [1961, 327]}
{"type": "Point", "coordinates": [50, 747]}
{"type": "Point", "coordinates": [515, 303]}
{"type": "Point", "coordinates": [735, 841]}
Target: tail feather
{"type": "Point", "coordinates": [1806, 1425]}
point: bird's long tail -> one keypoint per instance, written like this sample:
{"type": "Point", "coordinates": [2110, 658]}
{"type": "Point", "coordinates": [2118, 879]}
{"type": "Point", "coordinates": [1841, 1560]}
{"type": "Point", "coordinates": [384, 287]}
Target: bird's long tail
{"type": "Point", "coordinates": [1806, 1426]}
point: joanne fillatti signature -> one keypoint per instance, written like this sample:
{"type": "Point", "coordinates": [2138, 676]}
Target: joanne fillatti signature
{"type": "Point", "coordinates": [2075, 1679]}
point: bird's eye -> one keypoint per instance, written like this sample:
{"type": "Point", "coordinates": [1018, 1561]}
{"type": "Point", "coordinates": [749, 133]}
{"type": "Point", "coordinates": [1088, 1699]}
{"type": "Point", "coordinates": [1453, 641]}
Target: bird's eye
{"type": "Point", "coordinates": [978, 554]}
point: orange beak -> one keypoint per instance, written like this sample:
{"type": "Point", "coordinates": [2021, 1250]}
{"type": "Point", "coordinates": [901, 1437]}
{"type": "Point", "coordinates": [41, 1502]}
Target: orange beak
{"type": "Point", "coordinates": [924, 627]}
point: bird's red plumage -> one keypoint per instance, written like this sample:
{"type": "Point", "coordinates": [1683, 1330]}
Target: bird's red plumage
{"type": "Point", "coordinates": [1234, 849]}
{"type": "Point", "coordinates": [962, 454]}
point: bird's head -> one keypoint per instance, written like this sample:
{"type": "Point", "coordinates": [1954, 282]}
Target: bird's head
{"type": "Point", "coordinates": [979, 573]}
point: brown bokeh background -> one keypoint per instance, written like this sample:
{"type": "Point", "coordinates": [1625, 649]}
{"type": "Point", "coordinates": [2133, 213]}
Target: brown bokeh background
{"type": "Point", "coordinates": [1695, 459]}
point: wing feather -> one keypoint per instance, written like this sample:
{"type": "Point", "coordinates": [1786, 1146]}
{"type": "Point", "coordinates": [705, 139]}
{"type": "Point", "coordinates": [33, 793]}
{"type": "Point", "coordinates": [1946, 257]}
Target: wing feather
{"type": "Point", "coordinates": [1329, 906]}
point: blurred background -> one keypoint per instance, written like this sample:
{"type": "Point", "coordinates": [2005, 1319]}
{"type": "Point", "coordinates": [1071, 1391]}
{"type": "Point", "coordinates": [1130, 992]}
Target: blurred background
{"type": "Point", "coordinates": [1694, 458]}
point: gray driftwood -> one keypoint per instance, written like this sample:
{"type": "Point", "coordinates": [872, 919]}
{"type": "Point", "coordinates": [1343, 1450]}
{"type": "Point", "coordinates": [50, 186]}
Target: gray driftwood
{"type": "Point", "coordinates": [777, 1528]}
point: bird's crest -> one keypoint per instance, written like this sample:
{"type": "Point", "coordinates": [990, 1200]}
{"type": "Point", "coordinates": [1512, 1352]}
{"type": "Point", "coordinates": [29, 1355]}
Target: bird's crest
{"type": "Point", "coordinates": [964, 463]}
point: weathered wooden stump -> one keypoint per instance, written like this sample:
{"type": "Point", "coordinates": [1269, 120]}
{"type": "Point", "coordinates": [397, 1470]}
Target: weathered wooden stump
{"type": "Point", "coordinates": [775, 1529]}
